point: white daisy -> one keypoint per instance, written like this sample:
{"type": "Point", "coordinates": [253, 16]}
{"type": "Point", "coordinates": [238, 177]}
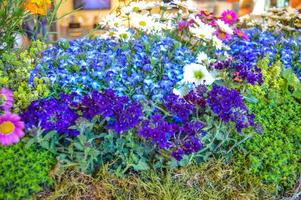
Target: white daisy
{"type": "Point", "coordinates": [137, 6]}
{"type": "Point", "coordinates": [202, 30]}
{"type": "Point", "coordinates": [109, 34]}
{"type": "Point", "coordinates": [112, 21]}
{"type": "Point", "coordinates": [217, 43]}
{"type": "Point", "coordinates": [224, 27]}
{"type": "Point", "coordinates": [197, 74]}
{"type": "Point", "coordinates": [142, 22]}
{"type": "Point", "coordinates": [126, 10]}
{"type": "Point", "coordinates": [123, 33]}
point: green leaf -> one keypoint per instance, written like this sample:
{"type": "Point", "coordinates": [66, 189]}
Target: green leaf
{"type": "Point", "coordinates": [141, 166]}
{"type": "Point", "coordinates": [251, 99]}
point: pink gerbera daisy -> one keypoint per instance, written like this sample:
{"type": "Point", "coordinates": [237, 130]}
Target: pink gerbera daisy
{"type": "Point", "coordinates": [11, 129]}
{"type": "Point", "coordinates": [6, 99]}
{"type": "Point", "coordinates": [222, 35]}
{"type": "Point", "coordinates": [240, 34]}
{"type": "Point", "coordinates": [229, 17]}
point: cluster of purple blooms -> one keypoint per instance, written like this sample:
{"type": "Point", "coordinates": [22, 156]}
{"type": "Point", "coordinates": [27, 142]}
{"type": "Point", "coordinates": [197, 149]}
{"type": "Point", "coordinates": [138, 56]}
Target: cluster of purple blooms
{"type": "Point", "coordinates": [174, 125]}
{"type": "Point", "coordinates": [120, 112]}
{"type": "Point", "coordinates": [52, 114]}
{"type": "Point", "coordinates": [179, 133]}
{"type": "Point", "coordinates": [176, 131]}
{"type": "Point", "coordinates": [264, 43]}
{"type": "Point", "coordinates": [229, 106]}
{"type": "Point", "coordinates": [239, 71]}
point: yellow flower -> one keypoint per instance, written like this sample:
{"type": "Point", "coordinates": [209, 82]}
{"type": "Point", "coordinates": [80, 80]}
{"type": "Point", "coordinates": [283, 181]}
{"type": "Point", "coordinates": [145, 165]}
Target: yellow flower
{"type": "Point", "coordinates": [37, 6]}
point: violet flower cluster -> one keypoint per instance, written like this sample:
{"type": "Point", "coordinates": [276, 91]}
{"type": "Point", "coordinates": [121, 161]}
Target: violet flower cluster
{"type": "Point", "coordinates": [239, 71]}
{"type": "Point", "coordinates": [120, 112]}
{"type": "Point", "coordinates": [229, 106]}
{"type": "Point", "coordinates": [264, 43]}
{"type": "Point", "coordinates": [51, 114]}
{"type": "Point", "coordinates": [175, 132]}
{"type": "Point", "coordinates": [59, 115]}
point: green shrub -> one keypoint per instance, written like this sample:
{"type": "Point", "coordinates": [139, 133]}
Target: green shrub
{"type": "Point", "coordinates": [15, 68]}
{"type": "Point", "coordinates": [23, 171]}
{"type": "Point", "coordinates": [275, 155]}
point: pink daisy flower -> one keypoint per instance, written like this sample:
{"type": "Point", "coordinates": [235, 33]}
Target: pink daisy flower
{"type": "Point", "coordinates": [6, 99]}
{"type": "Point", "coordinates": [229, 17]}
{"type": "Point", "coordinates": [240, 34]}
{"type": "Point", "coordinates": [11, 129]}
{"type": "Point", "coordinates": [222, 35]}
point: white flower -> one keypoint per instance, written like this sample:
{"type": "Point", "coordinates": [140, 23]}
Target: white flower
{"type": "Point", "coordinates": [202, 58]}
{"type": "Point", "coordinates": [123, 33]}
{"type": "Point", "coordinates": [142, 22]}
{"type": "Point", "coordinates": [189, 5]}
{"type": "Point", "coordinates": [112, 21]}
{"type": "Point", "coordinates": [126, 10]}
{"type": "Point", "coordinates": [224, 27]}
{"type": "Point", "coordinates": [203, 31]}
{"type": "Point", "coordinates": [217, 43]}
{"type": "Point", "coordinates": [197, 74]}
{"type": "Point", "coordinates": [137, 6]}
{"type": "Point", "coordinates": [181, 90]}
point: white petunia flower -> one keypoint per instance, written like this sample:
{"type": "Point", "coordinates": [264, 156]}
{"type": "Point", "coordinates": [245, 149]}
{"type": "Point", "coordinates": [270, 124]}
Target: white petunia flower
{"type": "Point", "coordinates": [181, 90]}
{"type": "Point", "coordinates": [202, 58]}
{"type": "Point", "coordinates": [224, 27]}
{"type": "Point", "coordinates": [197, 74]}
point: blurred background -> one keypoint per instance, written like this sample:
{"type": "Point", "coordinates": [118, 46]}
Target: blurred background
{"type": "Point", "coordinates": [80, 17]}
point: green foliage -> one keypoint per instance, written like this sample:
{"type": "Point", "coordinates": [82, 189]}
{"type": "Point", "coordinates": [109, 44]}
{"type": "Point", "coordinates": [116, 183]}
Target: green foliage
{"type": "Point", "coordinates": [23, 171]}
{"type": "Point", "coordinates": [275, 155]}
{"type": "Point", "coordinates": [11, 16]}
{"type": "Point", "coordinates": [94, 147]}
{"type": "Point", "coordinates": [15, 70]}
{"type": "Point", "coordinates": [212, 180]}
{"type": "Point", "coordinates": [127, 152]}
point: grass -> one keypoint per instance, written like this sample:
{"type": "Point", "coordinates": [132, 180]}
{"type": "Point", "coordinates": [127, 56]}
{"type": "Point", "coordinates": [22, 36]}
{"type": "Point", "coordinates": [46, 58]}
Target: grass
{"type": "Point", "coordinates": [213, 180]}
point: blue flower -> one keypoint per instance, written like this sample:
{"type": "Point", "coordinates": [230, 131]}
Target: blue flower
{"type": "Point", "coordinates": [149, 66]}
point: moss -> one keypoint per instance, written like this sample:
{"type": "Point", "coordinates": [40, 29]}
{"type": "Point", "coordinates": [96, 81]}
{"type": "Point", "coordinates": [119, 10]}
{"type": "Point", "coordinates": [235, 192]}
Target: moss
{"type": "Point", "coordinates": [212, 180]}
{"type": "Point", "coordinates": [23, 171]}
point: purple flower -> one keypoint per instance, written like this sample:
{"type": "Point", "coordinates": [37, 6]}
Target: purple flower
{"type": "Point", "coordinates": [178, 154]}
{"type": "Point", "coordinates": [184, 24]}
{"type": "Point", "coordinates": [179, 139]}
{"type": "Point", "coordinates": [157, 130]}
{"type": "Point", "coordinates": [51, 114]}
{"type": "Point", "coordinates": [120, 112]}
{"type": "Point", "coordinates": [197, 96]}
{"type": "Point", "coordinates": [229, 106]}
{"type": "Point", "coordinates": [179, 107]}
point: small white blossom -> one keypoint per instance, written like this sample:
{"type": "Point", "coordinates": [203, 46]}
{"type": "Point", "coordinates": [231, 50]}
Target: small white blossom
{"type": "Point", "coordinates": [197, 74]}
{"type": "Point", "coordinates": [224, 27]}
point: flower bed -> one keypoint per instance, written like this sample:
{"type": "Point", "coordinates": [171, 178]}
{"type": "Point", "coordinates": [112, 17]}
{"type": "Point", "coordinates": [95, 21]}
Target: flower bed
{"type": "Point", "coordinates": [155, 95]}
